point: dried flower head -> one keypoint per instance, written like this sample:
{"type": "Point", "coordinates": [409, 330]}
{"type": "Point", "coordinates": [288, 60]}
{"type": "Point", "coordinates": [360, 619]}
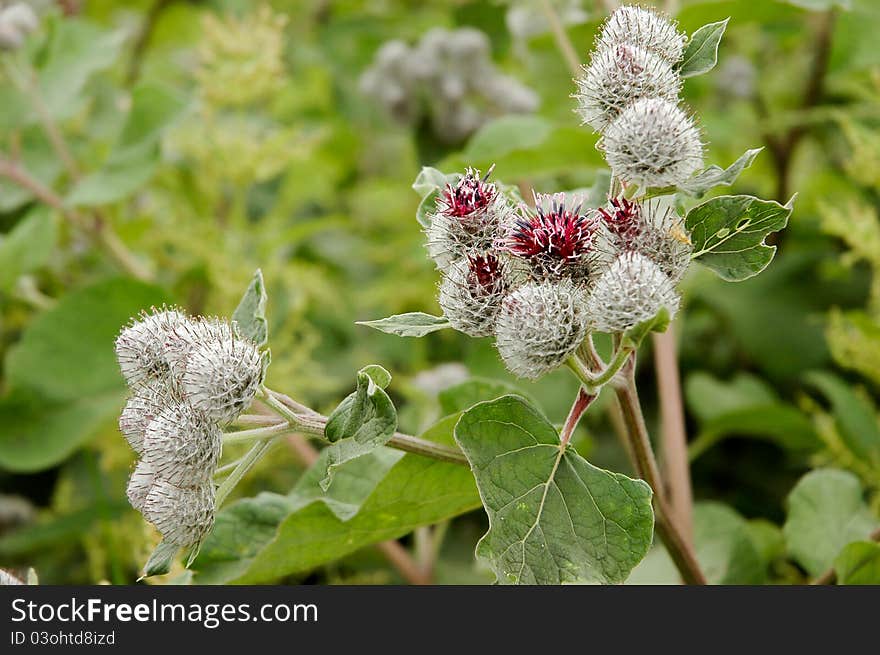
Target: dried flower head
{"type": "Point", "coordinates": [471, 293]}
{"type": "Point", "coordinates": [644, 28]}
{"type": "Point", "coordinates": [139, 484]}
{"type": "Point", "coordinates": [619, 75]}
{"type": "Point", "coordinates": [555, 239]}
{"type": "Point", "coordinates": [142, 407]}
{"type": "Point", "coordinates": [143, 346]}
{"type": "Point", "coordinates": [183, 515]}
{"type": "Point", "coordinates": [182, 445]}
{"type": "Point", "coordinates": [631, 291]}
{"type": "Point", "coordinates": [653, 143]}
{"type": "Point", "coordinates": [221, 374]}
{"type": "Point", "coordinates": [539, 326]}
{"type": "Point", "coordinates": [466, 219]}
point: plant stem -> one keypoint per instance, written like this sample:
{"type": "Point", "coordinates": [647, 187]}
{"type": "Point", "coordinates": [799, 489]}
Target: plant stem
{"type": "Point", "coordinates": [594, 381]}
{"type": "Point", "coordinates": [580, 405]}
{"type": "Point", "coordinates": [266, 432]}
{"type": "Point", "coordinates": [673, 436]}
{"type": "Point", "coordinates": [563, 41]}
{"type": "Point", "coordinates": [247, 462]}
{"type": "Point", "coordinates": [646, 466]}
{"type": "Point", "coordinates": [830, 576]}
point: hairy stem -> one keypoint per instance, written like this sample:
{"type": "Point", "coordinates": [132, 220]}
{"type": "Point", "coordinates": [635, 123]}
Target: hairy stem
{"type": "Point", "coordinates": [580, 405]}
{"type": "Point", "coordinates": [254, 455]}
{"type": "Point", "coordinates": [646, 466]}
{"type": "Point", "coordinates": [267, 432]}
{"type": "Point", "coordinates": [593, 381]}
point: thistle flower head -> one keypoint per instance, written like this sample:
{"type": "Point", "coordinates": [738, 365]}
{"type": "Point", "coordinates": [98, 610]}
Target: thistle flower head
{"type": "Point", "coordinates": [221, 374]}
{"type": "Point", "coordinates": [182, 446]}
{"type": "Point", "coordinates": [622, 220]}
{"type": "Point", "coordinates": [631, 291]}
{"type": "Point", "coordinates": [653, 143]}
{"type": "Point", "coordinates": [471, 293]}
{"type": "Point", "coordinates": [466, 219]}
{"type": "Point", "coordinates": [143, 346]}
{"type": "Point", "coordinates": [142, 478]}
{"type": "Point", "coordinates": [644, 28]}
{"type": "Point", "coordinates": [555, 238]}
{"type": "Point", "coordinates": [183, 515]}
{"type": "Point", "coordinates": [539, 326]}
{"type": "Point", "coordinates": [664, 239]}
{"type": "Point", "coordinates": [142, 407]}
{"type": "Point", "coordinates": [618, 75]}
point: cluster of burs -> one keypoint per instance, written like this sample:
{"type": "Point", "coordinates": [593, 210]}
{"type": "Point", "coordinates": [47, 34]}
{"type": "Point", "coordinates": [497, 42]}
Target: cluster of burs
{"type": "Point", "coordinates": [540, 280]}
{"type": "Point", "coordinates": [189, 377]}
{"type": "Point", "coordinates": [447, 77]}
{"type": "Point", "coordinates": [17, 20]}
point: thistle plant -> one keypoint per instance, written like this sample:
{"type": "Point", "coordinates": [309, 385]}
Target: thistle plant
{"type": "Point", "coordinates": [540, 279]}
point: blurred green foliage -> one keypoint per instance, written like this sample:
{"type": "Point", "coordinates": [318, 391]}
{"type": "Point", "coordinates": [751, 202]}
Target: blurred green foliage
{"type": "Point", "coordinates": [214, 138]}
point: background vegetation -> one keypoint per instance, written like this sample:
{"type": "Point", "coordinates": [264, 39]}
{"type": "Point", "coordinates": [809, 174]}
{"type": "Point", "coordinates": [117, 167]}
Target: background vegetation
{"type": "Point", "coordinates": [160, 151]}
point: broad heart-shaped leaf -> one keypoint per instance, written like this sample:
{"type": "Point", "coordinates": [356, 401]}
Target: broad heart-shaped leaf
{"type": "Point", "coordinates": [728, 234]}
{"type": "Point", "coordinates": [854, 416]}
{"type": "Point", "coordinates": [428, 184]}
{"type": "Point", "coordinates": [858, 563]}
{"type": "Point", "coordinates": [27, 247]}
{"type": "Point", "coordinates": [826, 511]}
{"type": "Point", "coordinates": [413, 324]}
{"type": "Point", "coordinates": [701, 52]}
{"type": "Point", "coordinates": [416, 491]}
{"type": "Point", "coordinates": [553, 516]}
{"type": "Point", "coordinates": [715, 176]}
{"type": "Point", "coordinates": [362, 422]}
{"type": "Point", "coordinates": [250, 315]}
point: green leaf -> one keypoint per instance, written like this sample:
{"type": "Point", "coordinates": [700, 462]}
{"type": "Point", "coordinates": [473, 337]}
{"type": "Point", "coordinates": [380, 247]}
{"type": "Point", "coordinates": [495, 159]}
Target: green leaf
{"type": "Point", "coordinates": [854, 416]}
{"type": "Point", "coordinates": [553, 517]}
{"type": "Point", "coordinates": [826, 511]}
{"type": "Point", "coordinates": [362, 422]}
{"type": "Point", "coordinates": [701, 52]}
{"type": "Point", "coordinates": [506, 134]}
{"type": "Point", "coordinates": [858, 563]}
{"type": "Point", "coordinates": [428, 184]}
{"type": "Point", "coordinates": [854, 339]}
{"type": "Point", "coordinates": [465, 395]}
{"type": "Point", "coordinates": [67, 353]}
{"type": "Point", "coordinates": [416, 491]}
{"type": "Point", "coordinates": [27, 247]}
{"type": "Point", "coordinates": [708, 397]}
{"type": "Point", "coordinates": [728, 234]}
{"type": "Point", "coordinates": [57, 530]}
{"type": "Point", "coordinates": [821, 5]}
{"type": "Point", "coordinates": [715, 176]}
{"type": "Point", "coordinates": [39, 159]}
{"type": "Point", "coordinates": [413, 324]}
{"type": "Point", "coordinates": [250, 315]}
{"type": "Point", "coordinates": [160, 559]}
{"type": "Point", "coordinates": [657, 323]}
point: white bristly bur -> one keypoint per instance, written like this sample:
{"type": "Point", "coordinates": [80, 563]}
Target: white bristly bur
{"type": "Point", "coordinates": [184, 515]}
{"type": "Point", "coordinates": [139, 484]}
{"type": "Point", "coordinates": [631, 291]}
{"type": "Point", "coordinates": [142, 347]}
{"type": "Point", "coordinates": [653, 143]}
{"type": "Point", "coordinates": [644, 28]}
{"type": "Point", "coordinates": [221, 375]}
{"type": "Point", "coordinates": [539, 326]}
{"type": "Point", "coordinates": [618, 75]}
{"type": "Point", "coordinates": [182, 446]}
{"type": "Point", "coordinates": [471, 293]}
{"type": "Point", "coordinates": [142, 407]}
{"type": "Point", "coordinates": [664, 239]}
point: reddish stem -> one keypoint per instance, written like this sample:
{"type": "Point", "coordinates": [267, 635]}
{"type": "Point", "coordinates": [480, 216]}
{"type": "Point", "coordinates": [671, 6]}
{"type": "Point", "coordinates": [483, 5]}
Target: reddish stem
{"type": "Point", "coordinates": [578, 408]}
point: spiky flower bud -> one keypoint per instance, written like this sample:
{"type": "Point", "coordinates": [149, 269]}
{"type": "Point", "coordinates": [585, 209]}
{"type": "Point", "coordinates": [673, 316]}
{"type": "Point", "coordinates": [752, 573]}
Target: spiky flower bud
{"type": "Point", "coordinates": [471, 293]}
{"type": "Point", "coordinates": [221, 375]}
{"type": "Point", "coordinates": [139, 484]}
{"type": "Point", "coordinates": [183, 515]}
{"type": "Point", "coordinates": [466, 219]}
{"type": "Point", "coordinates": [142, 347]}
{"type": "Point", "coordinates": [653, 143]}
{"type": "Point", "coordinates": [619, 75]}
{"type": "Point", "coordinates": [182, 445]}
{"type": "Point", "coordinates": [555, 239]}
{"type": "Point", "coordinates": [539, 326]}
{"type": "Point", "coordinates": [644, 28]}
{"type": "Point", "coordinates": [142, 407]}
{"type": "Point", "coordinates": [632, 290]}
{"type": "Point", "coordinates": [622, 221]}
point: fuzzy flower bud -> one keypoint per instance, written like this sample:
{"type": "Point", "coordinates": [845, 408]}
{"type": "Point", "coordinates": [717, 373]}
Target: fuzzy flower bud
{"type": "Point", "coordinates": [631, 291]}
{"type": "Point", "coordinates": [644, 28]}
{"type": "Point", "coordinates": [621, 74]}
{"type": "Point", "coordinates": [183, 515]}
{"type": "Point", "coordinates": [471, 293]}
{"type": "Point", "coordinates": [653, 143]}
{"type": "Point", "coordinates": [555, 239]}
{"type": "Point", "coordinates": [221, 374]}
{"type": "Point", "coordinates": [139, 484]}
{"type": "Point", "coordinates": [182, 446]}
{"type": "Point", "coordinates": [466, 220]}
{"type": "Point", "coordinates": [16, 22]}
{"type": "Point", "coordinates": [142, 347]}
{"type": "Point", "coordinates": [142, 407]}
{"type": "Point", "coordinates": [539, 326]}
